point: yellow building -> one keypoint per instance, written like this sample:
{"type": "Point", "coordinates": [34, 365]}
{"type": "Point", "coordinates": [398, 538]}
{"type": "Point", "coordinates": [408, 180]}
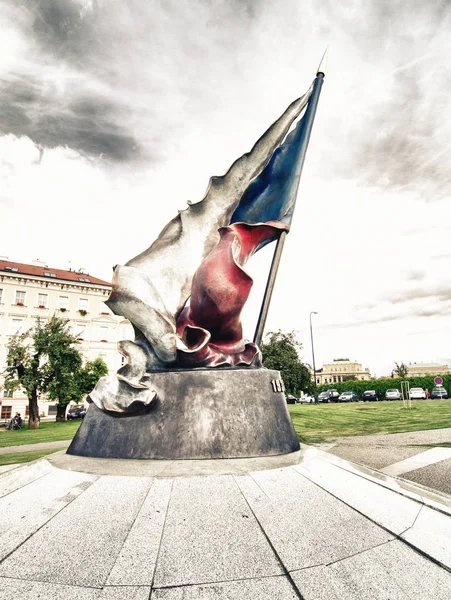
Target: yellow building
{"type": "Point", "coordinates": [339, 370]}
{"type": "Point", "coordinates": [421, 369]}
{"type": "Point", "coordinates": [29, 292]}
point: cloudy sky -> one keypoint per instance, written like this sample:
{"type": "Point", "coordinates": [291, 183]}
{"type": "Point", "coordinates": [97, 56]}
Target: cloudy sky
{"type": "Point", "coordinates": [114, 114]}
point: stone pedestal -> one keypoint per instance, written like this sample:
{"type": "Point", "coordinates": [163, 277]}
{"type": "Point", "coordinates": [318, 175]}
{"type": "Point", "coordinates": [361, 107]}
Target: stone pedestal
{"type": "Point", "coordinates": [198, 414]}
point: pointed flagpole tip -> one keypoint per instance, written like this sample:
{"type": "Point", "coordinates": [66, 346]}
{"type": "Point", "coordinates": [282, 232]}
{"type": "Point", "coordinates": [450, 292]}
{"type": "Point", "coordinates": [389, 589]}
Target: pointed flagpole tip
{"type": "Point", "coordinates": [323, 64]}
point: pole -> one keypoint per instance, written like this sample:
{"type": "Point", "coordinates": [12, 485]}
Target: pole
{"type": "Point", "coordinates": [307, 130]}
{"type": "Point", "coordinates": [313, 354]}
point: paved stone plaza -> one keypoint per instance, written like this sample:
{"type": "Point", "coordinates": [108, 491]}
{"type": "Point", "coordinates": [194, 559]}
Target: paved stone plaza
{"type": "Point", "coordinates": [307, 525]}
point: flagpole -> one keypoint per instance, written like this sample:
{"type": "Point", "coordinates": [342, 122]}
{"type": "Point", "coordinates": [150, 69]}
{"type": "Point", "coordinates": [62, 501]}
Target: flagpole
{"type": "Point", "coordinates": [307, 130]}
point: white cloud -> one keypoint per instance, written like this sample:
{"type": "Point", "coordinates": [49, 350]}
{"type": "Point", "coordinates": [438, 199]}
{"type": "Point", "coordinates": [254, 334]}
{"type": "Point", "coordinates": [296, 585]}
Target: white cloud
{"type": "Point", "coordinates": [117, 113]}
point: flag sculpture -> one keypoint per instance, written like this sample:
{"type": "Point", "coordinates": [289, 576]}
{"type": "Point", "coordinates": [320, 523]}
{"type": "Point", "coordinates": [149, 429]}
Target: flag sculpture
{"type": "Point", "coordinates": [185, 293]}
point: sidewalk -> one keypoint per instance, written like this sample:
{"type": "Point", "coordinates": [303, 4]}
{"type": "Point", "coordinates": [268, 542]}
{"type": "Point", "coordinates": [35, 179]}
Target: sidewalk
{"type": "Point", "coordinates": [304, 526]}
{"type": "Point", "coordinates": [35, 447]}
{"type": "Point", "coordinates": [413, 456]}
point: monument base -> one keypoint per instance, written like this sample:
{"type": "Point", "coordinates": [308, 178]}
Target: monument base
{"type": "Point", "coordinates": [198, 414]}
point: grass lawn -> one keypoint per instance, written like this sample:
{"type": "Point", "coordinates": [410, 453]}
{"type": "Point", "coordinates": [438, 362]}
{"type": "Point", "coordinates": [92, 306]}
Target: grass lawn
{"type": "Point", "coordinates": [318, 423]}
{"type": "Point", "coordinates": [23, 457]}
{"type": "Point", "coordinates": [47, 432]}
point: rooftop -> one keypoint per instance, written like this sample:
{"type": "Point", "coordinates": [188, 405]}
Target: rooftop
{"type": "Point", "coordinates": [7, 266]}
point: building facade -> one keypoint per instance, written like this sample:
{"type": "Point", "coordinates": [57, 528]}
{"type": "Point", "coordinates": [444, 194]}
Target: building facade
{"type": "Point", "coordinates": [36, 291]}
{"type": "Point", "coordinates": [339, 370]}
{"type": "Point", "coordinates": [421, 369]}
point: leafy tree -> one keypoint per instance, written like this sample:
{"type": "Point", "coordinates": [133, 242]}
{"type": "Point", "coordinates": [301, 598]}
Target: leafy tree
{"type": "Point", "coordinates": [281, 352]}
{"type": "Point", "coordinates": [45, 359]}
{"type": "Point", "coordinates": [90, 374]}
{"type": "Point", "coordinates": [350, 378]}
{"type": "Point", "coordinates": [401, 370]}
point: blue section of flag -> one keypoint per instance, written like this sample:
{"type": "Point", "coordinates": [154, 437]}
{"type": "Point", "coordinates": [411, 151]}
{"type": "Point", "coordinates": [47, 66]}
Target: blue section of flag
{"type": "Point", "coordinates": [272, 195]}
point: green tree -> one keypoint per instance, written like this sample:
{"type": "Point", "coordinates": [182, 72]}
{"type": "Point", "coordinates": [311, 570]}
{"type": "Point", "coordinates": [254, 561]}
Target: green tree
{"type": "Point", "coordinates": [281, 352]}
{"type": "Point", "coordinates": [401, 370]}
{"type": "Point", "coordinates": [90, 374]}
{"type": "Point", "coordinates": [45, 359]}
{"type": "Point", "coordinates": [350, 378]}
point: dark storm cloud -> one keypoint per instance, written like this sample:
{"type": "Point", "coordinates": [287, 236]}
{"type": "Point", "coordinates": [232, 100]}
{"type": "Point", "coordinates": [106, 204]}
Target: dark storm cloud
{"type": "Point", "coordinates": [86, 125]}
{"type": "Point", "coordinates": [98, 73]}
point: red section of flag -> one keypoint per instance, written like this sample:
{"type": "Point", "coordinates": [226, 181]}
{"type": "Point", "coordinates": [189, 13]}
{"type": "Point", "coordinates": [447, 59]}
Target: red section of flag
{"type": "Point", "coordinates": [210, 326]}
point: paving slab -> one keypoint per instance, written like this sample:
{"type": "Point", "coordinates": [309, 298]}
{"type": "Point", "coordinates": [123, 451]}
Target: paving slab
{"type": "Point", "coordinates": [12, 589]}
{"type": "Point", "coordinates": [23, 475]}
{"type": "Point", "coordinates": [383, 506]}
{"type": "Point", "coordinates": [126, 592]}
{"type": "Point", "coordinates": [140, 549]}
{"type": "Point", "coordinates": [291, 510]}
{"type": "Point", "coordinates": [24, 511]}
{"type": "Point", "coordinates": [92, 529]}
{"type": "Point", "coordinates": [268, 588]}
{"type": "Point", "coordinates": [211, 535]}
{"type": "Point", "coordinates": [391, 571]}
{"type": "Point", "coordinates": [431, 533]}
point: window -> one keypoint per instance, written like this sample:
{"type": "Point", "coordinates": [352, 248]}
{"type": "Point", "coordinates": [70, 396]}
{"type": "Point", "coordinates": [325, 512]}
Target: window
{"type": "Point", "coordinates": [41, 320]}
{"type": "Point", "coordinates": [47, 274]}
{"type": "Point", "coordinates": [20, 298]}
{"type": "Point", "coordinates": [15, 326]}
{"type": "Point", "coordinates": [80, 330]}
{"type": "Point", "coordinates": [104, 333]}
{"type": "Point", "coordinates": [1, 296]}
{"type": "Point", "coordinates": [13, 269]}
{"type": "Point", "coordinates": [63, 302]}
{"type": "Point", "coordinates": [82, 304]}
{"type": "Point", "coordinates": [43, 300]}
{"type": "Point", "coordinates": [84, 279]}
{"type": "Point", "coordinates": [6, 412]}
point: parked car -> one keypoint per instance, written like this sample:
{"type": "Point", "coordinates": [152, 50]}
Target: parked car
{"type": "Point", "coordinates": [370, 396]}
{"type": "Point", "coordinates": [76, 413]}
{"type": "Point", "coordinates": [306, 399]}
{"type": "Point", "coordinates": [325, 397]}
{"type": "Point", "coordinates": [393, 395]}
{"type": "Point", "coordinates": [328, 396]}
{"type": "Point", "coordinates": [439, 392]}
{"type": "Point", "coordinates": [291, 399]}
{"type": "Point", "coordinates": [348, 397]}
{"type": "Point", "coordinates": [417, 394]}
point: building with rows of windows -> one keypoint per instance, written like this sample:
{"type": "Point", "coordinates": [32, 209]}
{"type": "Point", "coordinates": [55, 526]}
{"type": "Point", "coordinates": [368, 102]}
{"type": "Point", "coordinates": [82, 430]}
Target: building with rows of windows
{"type": "Point", "coordinates": [29, 292]}
{"type": "Point", "coordinates": [341, 369]}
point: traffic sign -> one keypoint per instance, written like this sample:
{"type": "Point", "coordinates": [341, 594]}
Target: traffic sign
{"type": "Point", "coordinates": [438, 381]}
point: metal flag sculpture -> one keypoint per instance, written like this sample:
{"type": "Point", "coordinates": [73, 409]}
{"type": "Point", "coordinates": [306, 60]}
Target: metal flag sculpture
{"type": "Point", "coordinates": [185, 293]}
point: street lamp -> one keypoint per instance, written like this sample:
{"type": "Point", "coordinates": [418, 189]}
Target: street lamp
{"type": "Point", "coordinates": [313, 353]}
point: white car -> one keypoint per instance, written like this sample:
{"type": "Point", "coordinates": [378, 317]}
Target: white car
{"type": "Point", "coordinates": [393, 395]}
{"type": "Point", "coordinates": [348, 397]}
{"type": "Point", "coordinates": [306, 399]}
{"type": "Point", "coordinates": [417, 394]}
